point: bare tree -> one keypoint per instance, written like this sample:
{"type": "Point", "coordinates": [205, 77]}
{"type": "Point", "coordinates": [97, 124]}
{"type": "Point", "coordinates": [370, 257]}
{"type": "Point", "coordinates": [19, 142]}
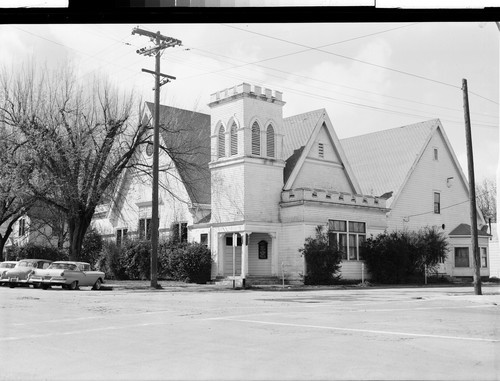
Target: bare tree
{"type": "Point", "coordinates": [80, 137]}
{"type": "Point", "coordinates": [486, 195]}
{"type": "Point", "coordinates": [15, 200]}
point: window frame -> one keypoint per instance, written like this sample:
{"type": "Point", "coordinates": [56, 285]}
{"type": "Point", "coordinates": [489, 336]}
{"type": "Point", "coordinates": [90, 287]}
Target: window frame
{"type": "Point", "coordinates": [233, 145]}
{"type": "Point", "coordinates": [256, 146]}
{"type": "Point", "coordinates": [270, 141]}
{"type": "Point", "coordinates": [437, 203]}
{"type": "Point", "coordinates": [483, 254]}
{"type": "Point", "coordinates": [349, 237]}
{"type": "Point", "coordinates": [121, 236]}
{"type": "Point", "coordinates": [145, 230]}
{"type": "Point", "coordinates": [455, 251]}
{"type": "Point", "coordinates": [221, 142]}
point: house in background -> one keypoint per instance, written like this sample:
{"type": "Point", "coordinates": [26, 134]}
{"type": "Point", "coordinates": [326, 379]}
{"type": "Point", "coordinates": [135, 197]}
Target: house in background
{"type": "Point", "coordinates": [40, 225]}
{"type": "Point", "coordinates": [253, 185]}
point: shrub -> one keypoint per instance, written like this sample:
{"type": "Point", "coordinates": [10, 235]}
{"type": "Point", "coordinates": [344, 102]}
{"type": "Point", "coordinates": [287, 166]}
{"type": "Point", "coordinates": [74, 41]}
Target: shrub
{"type": "Point", "coordinates": [110, 262]}
{"type": "Point", "coordinates": [136, 259]}
{"type": "Point", "coordinates": [402, 256]}
{"type": "Point", "coordinates": [322, 259]}
{"type": "Point", "coordinates": [32, 250]}
{"type": "Point", "coordinates": [188, 262]}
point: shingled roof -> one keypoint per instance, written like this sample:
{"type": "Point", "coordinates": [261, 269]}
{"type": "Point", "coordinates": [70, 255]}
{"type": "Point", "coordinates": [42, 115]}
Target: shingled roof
{"type": "Point", "coordinates": [186, 134]}
{"type": "Point", "coordinates": [382, 160]}
{"type": "Point", "coordinates": [465, 230]}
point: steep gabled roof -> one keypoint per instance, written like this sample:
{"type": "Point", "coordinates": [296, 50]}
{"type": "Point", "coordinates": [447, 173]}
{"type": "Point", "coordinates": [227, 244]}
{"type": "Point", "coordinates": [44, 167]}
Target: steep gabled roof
{"type": "Point", "coordinates": [187, 135]}
{"type": "Point", "coordinates": [382, 161]}
{"type": "Point", "coordinates": [300, 133]}
{"type": "Point", "coordinates": [298, 130]}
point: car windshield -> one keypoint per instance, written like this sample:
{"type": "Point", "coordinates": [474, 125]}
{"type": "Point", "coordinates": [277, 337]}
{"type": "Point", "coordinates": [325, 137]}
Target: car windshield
{"type": "Point", "coordinates": [63, 266]}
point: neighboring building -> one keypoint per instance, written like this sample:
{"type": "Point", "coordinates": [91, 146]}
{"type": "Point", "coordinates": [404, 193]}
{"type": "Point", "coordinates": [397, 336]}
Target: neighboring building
{"type": "Point", "coordinates": [40, 225]}
{"type": "Point", "coordinates": [494, 253]}
{"type": "Point", "coordinates": [261, 183]}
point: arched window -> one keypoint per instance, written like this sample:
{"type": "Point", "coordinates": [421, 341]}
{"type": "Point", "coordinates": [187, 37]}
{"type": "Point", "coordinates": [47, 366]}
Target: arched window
{"type": "Point", "coordinates": [234, 140]}
{"type": "Point", "coordinates": [255, 139]}
{"type": "Point", "coordinates": [221, 152]}
{"type": "Point", "coordinates": [270, 141]}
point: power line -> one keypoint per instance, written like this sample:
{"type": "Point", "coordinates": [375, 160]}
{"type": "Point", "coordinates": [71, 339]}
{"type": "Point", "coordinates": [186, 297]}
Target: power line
{"type": "Point", "coordinates": [355, 59]}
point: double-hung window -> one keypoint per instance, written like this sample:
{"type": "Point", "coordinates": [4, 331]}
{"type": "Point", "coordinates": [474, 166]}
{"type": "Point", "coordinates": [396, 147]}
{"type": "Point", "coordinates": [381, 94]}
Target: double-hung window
{"type": "Point", "coordinates": [145, 228]}
{"type": "Point", "coordinates": [484, 257]}
{"type": "Point", "coordinates": [437, 203]}
{"type": "Point", "coordinates": [349, 237]}
{"type": "Point", "coordinates": [462, 257]}
{"type": "Point", "coordinates": [121, 236]}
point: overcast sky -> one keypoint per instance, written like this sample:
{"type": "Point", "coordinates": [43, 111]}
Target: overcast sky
{"type": "Point", "coordinates": [369, 77]}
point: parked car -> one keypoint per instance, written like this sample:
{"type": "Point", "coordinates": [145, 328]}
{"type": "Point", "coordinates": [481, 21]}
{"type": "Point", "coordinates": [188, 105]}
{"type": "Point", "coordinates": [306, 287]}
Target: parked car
{"type": "Point", "coordinates": [70, 275]}
{"type": "Point", "coordinates": [5, 266]}
{"type": "Point", "coordinates": [20, 274]}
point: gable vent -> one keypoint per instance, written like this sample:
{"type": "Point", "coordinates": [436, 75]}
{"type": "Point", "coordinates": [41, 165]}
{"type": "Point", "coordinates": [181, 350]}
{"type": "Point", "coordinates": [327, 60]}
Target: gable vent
{"type": "Point", "coordinates": [234, 140]}
{"type": "Point", "coordinates": [321, 150]}
{"type": "Point", "coordinates": [270, 141]}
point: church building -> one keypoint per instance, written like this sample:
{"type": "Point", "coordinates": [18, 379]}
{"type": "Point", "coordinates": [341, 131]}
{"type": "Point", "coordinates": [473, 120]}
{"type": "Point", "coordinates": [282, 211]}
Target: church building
{"type": "Point", "coordinates": [253, 185]}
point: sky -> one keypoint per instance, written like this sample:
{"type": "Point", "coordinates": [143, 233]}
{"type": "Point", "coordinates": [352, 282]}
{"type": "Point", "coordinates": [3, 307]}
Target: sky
{"type": "Point", "coordinates": [368, 76]}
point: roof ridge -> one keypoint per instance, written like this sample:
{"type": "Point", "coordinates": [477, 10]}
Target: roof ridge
{"type": "Point", "coordinates": [392, 129]}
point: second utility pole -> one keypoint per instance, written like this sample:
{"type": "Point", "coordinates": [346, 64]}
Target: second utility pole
{"type": "Point", "coordinates": [476, 260]}
{"type": "Point", "coordinates": [161, 42]}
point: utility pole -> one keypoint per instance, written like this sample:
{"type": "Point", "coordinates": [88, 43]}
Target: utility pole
{"type": "Point", "coordinates": [161, 42]}
{"type": "Point", "coordinates": [472, 194]}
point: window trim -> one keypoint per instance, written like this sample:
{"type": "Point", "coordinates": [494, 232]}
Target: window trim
{"type": "Point", "coordinates": [233, 146]}
{"type": "Point", "coordinates": [342, 231]}
{"type": "Point", "coordinates": [221, 142]}
{"type": "Point", "coordinates": [256, 146]}
{"type": "Point", "coordinates": [270, 141]}
{"type": "Point", "coordinates": [455, 257]}
{"type": "Point", "coordinates": [437, 203]}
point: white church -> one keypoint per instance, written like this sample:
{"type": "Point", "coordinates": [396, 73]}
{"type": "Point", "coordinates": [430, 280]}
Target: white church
{"type": "Point", "coordinates": [252, 186]}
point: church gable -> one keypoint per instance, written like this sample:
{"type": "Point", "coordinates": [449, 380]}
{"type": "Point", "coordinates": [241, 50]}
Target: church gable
{"type": "Point", "coordinates": [322, 163]}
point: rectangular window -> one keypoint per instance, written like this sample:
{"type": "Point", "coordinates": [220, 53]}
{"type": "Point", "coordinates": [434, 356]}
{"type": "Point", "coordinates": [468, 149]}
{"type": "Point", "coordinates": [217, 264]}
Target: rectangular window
{"type": "Point", "coordinates": [321, 150]}
{"type": "Point", "coordinates": [436, 154]}
{"type": "Point", "coordinates": [437, 203]}
{"type": "Point", "coordinates": [184, 232]}
{"type": "Point", "coordinates": [145, 228]}
{"type": "Point", "coordinates": [484, 257]}
{"type": "Point", "coordinates": [204, 239]}
{"type": "Point", "coordinates": [121, 236]}
{"type": "Point", "coordinates": [22, 227]}
{"type": "Point", "coordinates": [462, 257]}
{"type": "Point", "coordinates": [350, 240]}
{"type": "Point", "coordinates": [353, 247]}
{"type": "Point", "coordinates": [361, 241]}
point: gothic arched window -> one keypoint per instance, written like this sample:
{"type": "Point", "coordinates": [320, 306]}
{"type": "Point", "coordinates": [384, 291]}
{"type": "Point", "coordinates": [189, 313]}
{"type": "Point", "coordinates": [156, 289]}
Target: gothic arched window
{"type": "Point", "coordinates": [255, 139]}
{"type": "Point", "coordinates": [234, 140]}
{"type": "Point", "coordinates": [270, 141]}
{"type": "Point", "coordinates": [221, 152]}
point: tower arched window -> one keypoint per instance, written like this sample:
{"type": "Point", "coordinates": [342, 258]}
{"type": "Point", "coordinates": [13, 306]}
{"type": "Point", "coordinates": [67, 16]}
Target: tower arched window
{"type": "Point", "coordinates": [221, 152]}
{"type": "Point", "coordinates": [234, 140]}
{"type": "Point", "coordinates": [255, 139]}
{"type": "Point", "coordinates": [270, 141]}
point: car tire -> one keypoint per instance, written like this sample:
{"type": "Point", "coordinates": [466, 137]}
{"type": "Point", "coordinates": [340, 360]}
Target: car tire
{"type": "Point", "coordinates": [97, 284]}
{"type": "Point", "coordinates": [73, 285]}
{"type": "Point", "coordinates": [36, 285]}
{"type": "Point", "coordinates": [45, 286]}
{"type": "Point", "coordinates": [12, 285]}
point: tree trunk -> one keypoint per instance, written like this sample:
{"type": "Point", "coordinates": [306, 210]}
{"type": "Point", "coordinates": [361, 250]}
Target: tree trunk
{"type": "Point", "coordinates": [3, 241]}
{"type": "Point", "coordinates": [77, 227]}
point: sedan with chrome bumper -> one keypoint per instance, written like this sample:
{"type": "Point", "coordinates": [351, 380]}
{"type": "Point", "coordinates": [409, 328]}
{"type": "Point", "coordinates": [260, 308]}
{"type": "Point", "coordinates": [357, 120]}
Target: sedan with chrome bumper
{"type": "Point", "coordinates": [20, 274]}
{"type": "Point", "coordinates": [69, 275]}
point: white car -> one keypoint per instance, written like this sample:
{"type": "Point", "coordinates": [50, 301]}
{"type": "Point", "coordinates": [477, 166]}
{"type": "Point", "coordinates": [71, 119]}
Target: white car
{"type": "Point", "coordinates": [6, 266]}
{"type": "Point", "coordinates": [69, 275]}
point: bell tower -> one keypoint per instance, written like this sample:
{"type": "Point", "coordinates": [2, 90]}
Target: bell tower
{"type": "Point", "coordinates": [246, 154]}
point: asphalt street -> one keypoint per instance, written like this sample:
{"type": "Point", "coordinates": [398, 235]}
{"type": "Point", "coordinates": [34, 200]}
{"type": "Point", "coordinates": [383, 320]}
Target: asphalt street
{"type": "Point", "coordinates": [208, 334]}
